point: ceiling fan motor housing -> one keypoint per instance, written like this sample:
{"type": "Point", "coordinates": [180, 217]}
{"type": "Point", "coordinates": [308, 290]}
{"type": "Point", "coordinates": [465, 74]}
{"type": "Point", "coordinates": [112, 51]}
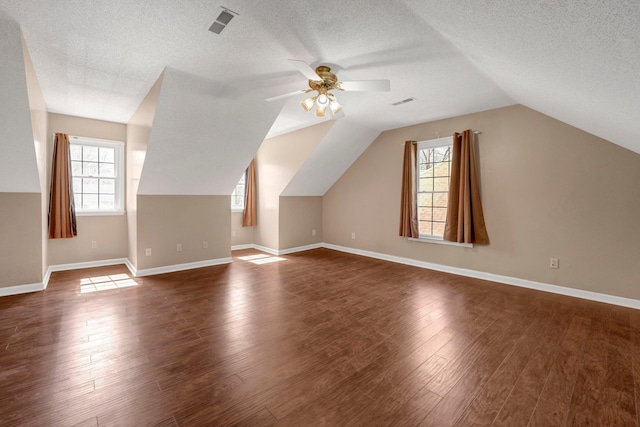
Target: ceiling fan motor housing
{"type": "Point", "coordinates": [329, 80]}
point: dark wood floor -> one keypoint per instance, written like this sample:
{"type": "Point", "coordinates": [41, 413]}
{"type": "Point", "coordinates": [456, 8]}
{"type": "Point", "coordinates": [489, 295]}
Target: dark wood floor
{"type": "Point", "coordinates": [319, 338]}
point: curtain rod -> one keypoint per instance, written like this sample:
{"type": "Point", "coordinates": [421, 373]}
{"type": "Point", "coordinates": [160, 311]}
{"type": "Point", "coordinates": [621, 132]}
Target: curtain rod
{"type": "Point", "coordinates": [475, 132]}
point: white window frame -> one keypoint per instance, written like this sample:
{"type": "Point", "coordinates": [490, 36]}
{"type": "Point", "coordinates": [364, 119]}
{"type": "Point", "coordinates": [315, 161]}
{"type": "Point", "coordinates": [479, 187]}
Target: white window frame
{"type": "Point", "coordinates": [118, 146]}
{"type": "Point", "coordinates": [428, 144]}
{"type": "Point", "coordinates": [238, 208]}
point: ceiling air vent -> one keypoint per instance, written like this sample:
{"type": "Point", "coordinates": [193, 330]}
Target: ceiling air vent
{"type": "Point", "coordinates": [404, 101]}
{"type": "Point", "coordinates": [222, 20]}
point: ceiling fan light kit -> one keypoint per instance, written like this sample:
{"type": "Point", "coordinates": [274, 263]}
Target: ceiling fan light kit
{"type": "Point", "coordinates": [322, 80]}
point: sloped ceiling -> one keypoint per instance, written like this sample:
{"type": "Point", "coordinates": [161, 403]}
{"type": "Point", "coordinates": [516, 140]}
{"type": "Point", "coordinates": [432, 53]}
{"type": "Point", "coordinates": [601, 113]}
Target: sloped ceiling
{"type": "Point", "coordinates": [203, 137]}
{"type": "Point", "coordinates": [576, 61]}
{"type": "Point", "coordinates": [573, 60]}
{"type": "Point", "coordinates": [339, 148]}
{"type": "Point", "coordinates": [18, 166]}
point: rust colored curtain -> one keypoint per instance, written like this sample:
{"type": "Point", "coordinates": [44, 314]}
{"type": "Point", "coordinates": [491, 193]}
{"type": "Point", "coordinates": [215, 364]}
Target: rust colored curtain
{"type": "Point", "coordinates": [62, 212]}
{"type": "Point", "coordinates": [249, 216]}
{"type": "Point", "coordinates": [408, 205]}
{"type": "Point", "coordinates": [465, 220]}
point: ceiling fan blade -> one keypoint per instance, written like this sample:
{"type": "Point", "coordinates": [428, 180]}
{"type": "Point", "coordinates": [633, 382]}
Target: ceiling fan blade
{"type": "Point", "coordinates": [286, 95]}
{"type": "Point", "coordinates": [339, 115]}
{"type": "Point", "coordinates": [367, 85]}
{"type": "Point", "coordinates": [305, 69]}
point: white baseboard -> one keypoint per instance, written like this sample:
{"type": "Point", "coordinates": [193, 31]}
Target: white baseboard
{"type": "Point", "coordinates": [131, 267]}
{"type": "Point", "coordinates": [21, 289]}
{"type": "Point", "coordinates": [300, 249]}
{"type": "Point", "coordinates": [572, 292]}
{"type": "Point", "coordinates": [88, 264]}
{"type": "Point", "coordinates": [266, 249]}
{"type": "Point", "coordinates": [180, 267]}
{"type": "Point", "coordinates": [278, 251]}
{"type": "Point", "coordinates": [241, 247]}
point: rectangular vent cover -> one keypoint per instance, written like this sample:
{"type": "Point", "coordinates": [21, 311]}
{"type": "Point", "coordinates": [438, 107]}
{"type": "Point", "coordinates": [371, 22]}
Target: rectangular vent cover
{"type": "Point", "coordinates": [404, 101]}
{"type": "Point", "coordinates": [216, 27]}
{"type": "Point", "coordinates": [222, 20]}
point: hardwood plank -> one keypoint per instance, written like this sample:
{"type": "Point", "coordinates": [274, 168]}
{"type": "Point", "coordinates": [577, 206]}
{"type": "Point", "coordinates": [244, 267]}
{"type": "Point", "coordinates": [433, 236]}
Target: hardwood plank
{"type": "Point", "coordinates": [518, 406]}
{"type": "Point", "coordinates": [553, 404]}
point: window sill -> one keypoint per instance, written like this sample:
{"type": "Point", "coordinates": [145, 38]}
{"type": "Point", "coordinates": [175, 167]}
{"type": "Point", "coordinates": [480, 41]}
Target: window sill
{"type": "Point", "coordinates": [100, 213]}
{"type": "Point", "coordinates": [440, 242]}
{"type": "Point", "coordinates": [237, 209]}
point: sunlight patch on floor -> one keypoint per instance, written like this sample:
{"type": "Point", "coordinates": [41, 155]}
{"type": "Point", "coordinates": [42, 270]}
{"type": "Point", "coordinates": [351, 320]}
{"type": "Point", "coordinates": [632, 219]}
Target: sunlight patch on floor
{"type": "Point", "coordinates": [103, 283]}
{"type": "Point", "coordinates": [261, 259]}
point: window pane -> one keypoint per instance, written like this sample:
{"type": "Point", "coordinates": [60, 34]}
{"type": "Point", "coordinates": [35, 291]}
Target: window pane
{"type": "Point", "coordinates": [427, 173]}
{"type": "Point", "coordinates": [425, 199]}
{"type": "Point", "coordinates": [440, 214]}
{"type": "Point", "coordinates": [77, 198]}
{"type": "Point", "coordinates": [107, 201]}
{"type": "Point", "coordinates": [425, 184]}
{"type": "Point", "coordinates": [441, 169]}
{"type": "Point", "coordinates": [77, 185]}
{"type": "Point", "coordinates": [90, 169]}
{"type": "Point", "coordinates": [441, 153]}
{"type": "Point", "coordinates": [90, 185]}
{"type": "Point", "coordinates": [76, 152]}
{"type": "Point", "coordinates": [441, 200]}
{"type": "Point", "coordinates": [89, 153]}
{"type": "Point", "coordinates": [237, 197]}
{"type": "Point", "coordinates": [424, 228]}
{"type": "Point", "coordinates": [425, 214]}
{"type": "Point", "coordinates": [107, 169]}
{"type": "Point", "coordinates": [438, 229]}
{"type": "Point", "coordinates": [107, 155]}
{"type": "Point", "coordinates": [441, 184]}
{"type": "Point", "coordinates": [107, 186]}
{"type": "Point", "coordinates": [90, 201]}
{"type": "Point", "coordinates": [76, 168]}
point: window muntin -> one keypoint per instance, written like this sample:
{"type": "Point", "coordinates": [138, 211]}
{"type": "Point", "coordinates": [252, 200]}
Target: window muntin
{"type": "Point", "coordinates": [97, 174]}
{"type": "Point", "coordinates": [237, 197]}
{"type": "Point", "coordinates": [434, 176]}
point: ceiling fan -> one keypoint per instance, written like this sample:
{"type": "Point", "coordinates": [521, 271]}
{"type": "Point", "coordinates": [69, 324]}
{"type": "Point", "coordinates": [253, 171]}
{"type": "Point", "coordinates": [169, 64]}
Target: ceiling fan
{"type": "Point", "coordinates": [322, 80]}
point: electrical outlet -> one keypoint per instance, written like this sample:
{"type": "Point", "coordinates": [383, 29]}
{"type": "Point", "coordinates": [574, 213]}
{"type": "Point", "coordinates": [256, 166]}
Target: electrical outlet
{"type": "Point", "coordinates": [554, 263]}
{"type": "Point", "coordinates": [147, 252]}
{"type": "Point", "coordinates": [205, 245]}
{"type": "Point", "coordinates": [313, 232]}
{"type": "Point", "coordinates": [179, 247]}
{"type": "Point", "coordinates": [353, 236]}
{"type": "Point", "coordinates": [94, 244]}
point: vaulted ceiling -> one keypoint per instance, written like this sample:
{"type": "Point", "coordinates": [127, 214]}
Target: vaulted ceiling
{"type": "Point", "coordinates": [576, 61]}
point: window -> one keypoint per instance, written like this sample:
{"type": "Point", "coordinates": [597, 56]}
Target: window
{"type": "Point", "coordinates": [237, 197]}
{"type": "Point", "coordinates": [97, 171]}
{"type": "Point", "coordinates": [434, 175]}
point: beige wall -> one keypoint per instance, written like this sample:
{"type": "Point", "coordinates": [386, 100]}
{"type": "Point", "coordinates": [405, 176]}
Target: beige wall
{"type": "Point", "coordinates": [277, 161]}
{"type": "Point", "coordinates": [548, 190]}
{"type": "Point", "coordinates": [299, 216]}
{"type": "Point", "coordinates": [110, 231]}
{"type": "Point", "coordinates": [21, 248]}
{"type": "Point", "coordinates": [39, 123]}
{"type": "Point", "coordinates": [240, 235]}
{"type": "Point", "coordinates": [138, 135]}
{"type": "Point", "coordinates": [165, 221]}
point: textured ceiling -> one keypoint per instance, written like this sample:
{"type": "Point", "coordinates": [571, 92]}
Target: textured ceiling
{"type": "Point", "coordinates": [576, 61]}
